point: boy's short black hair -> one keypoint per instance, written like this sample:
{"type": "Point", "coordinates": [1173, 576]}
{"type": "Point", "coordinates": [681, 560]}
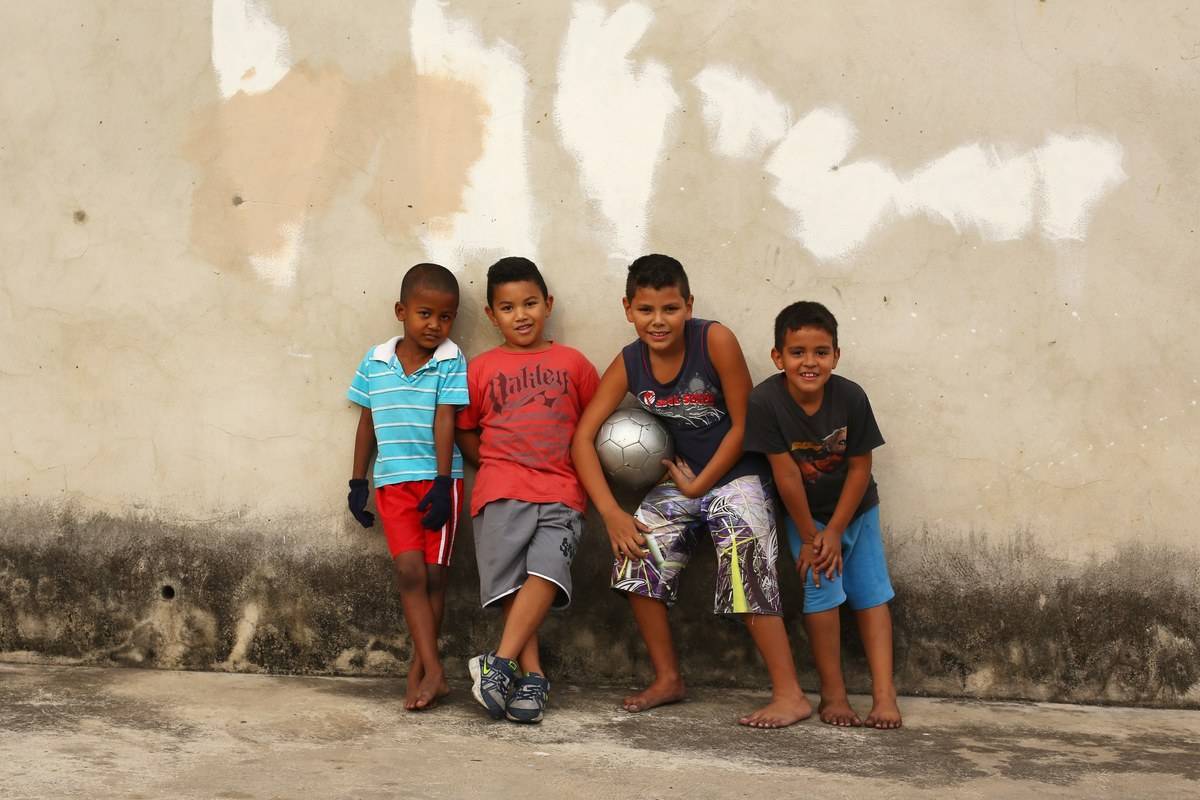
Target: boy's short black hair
{"type": "Point", "coordinates": [511, 270]}
{"type": "Point", "coordinates": [428, 276]}
{"type": "Point", "coordinates": [656, 271]}
{"type": "Point", "coordinates": [804, 314]}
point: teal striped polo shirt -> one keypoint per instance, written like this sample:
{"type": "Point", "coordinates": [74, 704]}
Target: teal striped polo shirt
{"type": "Point", "coordinates": [402, 407]}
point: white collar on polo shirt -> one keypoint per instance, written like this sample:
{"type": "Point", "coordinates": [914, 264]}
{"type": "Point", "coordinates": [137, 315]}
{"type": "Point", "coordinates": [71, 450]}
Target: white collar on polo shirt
{"type": "Point", "coordinates": [446, 351]}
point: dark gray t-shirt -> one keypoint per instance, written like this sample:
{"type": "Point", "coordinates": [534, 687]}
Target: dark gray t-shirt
{"type": "Point", "coordinates": [843, 426]}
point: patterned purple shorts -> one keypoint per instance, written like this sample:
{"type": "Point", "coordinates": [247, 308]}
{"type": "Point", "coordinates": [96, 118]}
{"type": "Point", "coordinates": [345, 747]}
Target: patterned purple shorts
{"type": "Point", "coordinates": [739, 515]}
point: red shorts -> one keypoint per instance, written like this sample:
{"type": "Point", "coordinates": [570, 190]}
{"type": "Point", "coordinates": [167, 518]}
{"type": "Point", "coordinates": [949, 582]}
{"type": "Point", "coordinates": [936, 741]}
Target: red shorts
{"type": "Point", "coordinates": [397, 507]}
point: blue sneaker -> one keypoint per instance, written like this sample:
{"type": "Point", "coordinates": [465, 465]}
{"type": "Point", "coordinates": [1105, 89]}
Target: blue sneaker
{"type": "Point", "coordinates": [492, 682]}
{"type": "Point", "coordinates": [528, 699]}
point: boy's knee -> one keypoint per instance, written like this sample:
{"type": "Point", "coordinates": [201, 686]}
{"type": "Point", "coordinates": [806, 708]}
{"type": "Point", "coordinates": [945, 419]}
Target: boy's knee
{"type": "Point", "coordinates": [410, 572]}
{"type": "Point", "coordinates": [436, 578]}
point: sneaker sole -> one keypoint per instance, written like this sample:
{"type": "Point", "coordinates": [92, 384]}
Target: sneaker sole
{"type": "Point", "coordinates": [475, 667]}
{"type": "Point", "coordinates": [511, 718]}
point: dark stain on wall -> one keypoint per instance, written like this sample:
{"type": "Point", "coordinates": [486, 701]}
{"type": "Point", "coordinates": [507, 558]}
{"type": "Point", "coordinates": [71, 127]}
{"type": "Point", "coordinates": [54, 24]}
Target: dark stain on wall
{"type": "Point", "coordinates": [973, 617]}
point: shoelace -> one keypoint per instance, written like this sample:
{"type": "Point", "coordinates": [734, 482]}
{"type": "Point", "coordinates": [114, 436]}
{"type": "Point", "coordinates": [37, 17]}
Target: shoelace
{"type": "Point", "coordinates": [494, 680]}
{"type": "Point", "coordinates": [529, 691]}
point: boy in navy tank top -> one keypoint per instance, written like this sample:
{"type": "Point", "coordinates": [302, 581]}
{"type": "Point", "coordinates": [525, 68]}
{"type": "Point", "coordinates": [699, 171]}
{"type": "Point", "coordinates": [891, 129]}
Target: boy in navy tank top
{"type": "Point", "coordinates": [692, 375]}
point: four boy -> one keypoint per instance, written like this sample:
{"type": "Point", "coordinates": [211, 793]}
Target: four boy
{"type": "Point", "coordinates": [527, 415]}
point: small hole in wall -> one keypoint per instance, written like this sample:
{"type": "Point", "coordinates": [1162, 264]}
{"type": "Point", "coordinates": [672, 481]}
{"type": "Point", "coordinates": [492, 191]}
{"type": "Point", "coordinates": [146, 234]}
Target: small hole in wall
{"type": "Point", "coordinates": [168, 592]}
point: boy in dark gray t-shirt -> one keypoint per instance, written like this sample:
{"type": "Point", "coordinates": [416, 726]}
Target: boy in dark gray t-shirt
{"type": "Point", "coordinates": [817, 431]}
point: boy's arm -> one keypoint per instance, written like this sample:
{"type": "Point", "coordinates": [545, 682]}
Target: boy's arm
{"type": "Point", "coordinates": [624, 532]}
{"type": "Point", "coordinates": [468, 444]}
{"type": "Point", "coordinates": [451, 394]}
{"type": "Point", "coordinates": [364, 446]}
{"type": "Point", "coordinates": [730, 364]}
{"type": "Point", "coordinates": [828, 544]}
{"type": "Point", "coordinates": [443, 438]}
{"type": "Point", "coordinates": [437, 501]}
{"type": "Point", "coordinates": [790, 483]}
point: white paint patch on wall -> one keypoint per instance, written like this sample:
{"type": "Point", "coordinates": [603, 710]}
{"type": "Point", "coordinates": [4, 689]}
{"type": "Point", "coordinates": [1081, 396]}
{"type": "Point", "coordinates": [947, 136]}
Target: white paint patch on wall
{"type": "Point", "coordinates": [1076, 173]}
{"type": "Point", "coordinates": [279, 268]}
{"type": "Point", "coordinates": [744, 118]}
{"type": "Point", "coordinates": [973, 187]}
{"type": "Point", "coordinates": [838, 205]}
{"type": "Point", "coordinates": [250, 53]}
{"type": "Point", "coordinates": [498, 200]}
{"type": "Point", "coordinates": [613, 117]}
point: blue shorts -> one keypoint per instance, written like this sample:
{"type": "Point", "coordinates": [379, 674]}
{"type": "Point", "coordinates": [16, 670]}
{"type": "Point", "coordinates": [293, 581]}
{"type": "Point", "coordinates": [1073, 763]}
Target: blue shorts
{"type": "Point", "coordinates": [864, 582]}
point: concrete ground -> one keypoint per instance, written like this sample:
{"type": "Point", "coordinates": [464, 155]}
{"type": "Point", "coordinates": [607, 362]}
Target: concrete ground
{"type": "Point", "coordinates": [69, 732]}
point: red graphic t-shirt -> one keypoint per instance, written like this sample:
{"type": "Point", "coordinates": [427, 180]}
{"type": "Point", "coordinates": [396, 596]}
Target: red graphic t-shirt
{"type": "Point", "coordinates": [526, 407]}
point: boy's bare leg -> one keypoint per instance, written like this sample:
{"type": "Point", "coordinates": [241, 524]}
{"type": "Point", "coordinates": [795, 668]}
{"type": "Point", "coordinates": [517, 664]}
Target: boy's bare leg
{"type": "Point", "coordinates": [435, 577]}
{"type": "Point", "coordinates": [667, 687]}
{"type": "Point", "coordinates": [875, 627]}
{"type": "Point", "coordinates": [418, 613]}
{"type": "Point", "coordinates": [788, 704]}
{"type": "Point", "coordinates": [825, 637]}
{"type": "Point", "coordinates": [523, 615]}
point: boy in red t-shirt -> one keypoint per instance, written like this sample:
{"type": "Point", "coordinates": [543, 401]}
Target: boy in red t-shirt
{"type": "Point", "coordinates": [527, 504]}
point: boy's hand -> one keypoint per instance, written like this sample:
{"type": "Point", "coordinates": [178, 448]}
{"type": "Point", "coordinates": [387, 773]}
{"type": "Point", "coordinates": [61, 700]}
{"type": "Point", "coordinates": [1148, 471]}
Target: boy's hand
{"type": "Point", "coordinates": [437, 500]}
{"type": "Point", "coordinates": [625, 536]}
{"type": "Point", "coordinates": [357, 500]}
{"type": "Point", "coordinates": [682, 476]}
{"type": "Point", "coordinates": [828, 550]}
{"type": "Point", "coordinates": [808, 561]}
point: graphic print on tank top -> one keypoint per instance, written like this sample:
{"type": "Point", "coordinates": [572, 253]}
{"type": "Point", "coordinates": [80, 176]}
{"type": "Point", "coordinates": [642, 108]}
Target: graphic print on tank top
{"type": "Point", "coordinates": [695, 405]}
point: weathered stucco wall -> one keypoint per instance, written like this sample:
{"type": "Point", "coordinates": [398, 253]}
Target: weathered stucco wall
{"type": "Point", "coordinates": [206, 210]}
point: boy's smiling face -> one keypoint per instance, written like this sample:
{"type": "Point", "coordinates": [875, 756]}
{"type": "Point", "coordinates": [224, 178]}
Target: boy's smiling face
{"type": "Point", "coordinates": [427, 315]}
{"type": "Point", "coordinates": [658, 316]}
{"type": "Point", "coordinates": [807, 359]}
{"type": "Point", "coordinates": [519, 311]}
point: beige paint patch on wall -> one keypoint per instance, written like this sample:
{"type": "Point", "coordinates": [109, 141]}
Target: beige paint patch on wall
{"type": "Point", "coordinates": [419, 135]}
{"type": "Point", "coordinates": [265, 161]}
{"type": "Point", "coordinates": [268, 161]}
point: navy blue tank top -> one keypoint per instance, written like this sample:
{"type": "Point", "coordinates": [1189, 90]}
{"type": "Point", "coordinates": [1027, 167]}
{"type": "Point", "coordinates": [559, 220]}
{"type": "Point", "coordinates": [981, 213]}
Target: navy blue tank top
{"type": "Point", "coordinates": [692, 405]}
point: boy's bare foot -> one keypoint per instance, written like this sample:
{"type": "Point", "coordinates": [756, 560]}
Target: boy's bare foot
{"type": "Point", "coordinates": [779, 713]}
{"type": "Point", "coordinates": [885, 714]}
{"type": "Point", "coordinates": [414, 682]}
{"type": "Point", "coordinates": [659, 693]}
{"type": "Point", "coordinates": [837, 711]}
{"type": "Point", "coordinates": [432, 686]}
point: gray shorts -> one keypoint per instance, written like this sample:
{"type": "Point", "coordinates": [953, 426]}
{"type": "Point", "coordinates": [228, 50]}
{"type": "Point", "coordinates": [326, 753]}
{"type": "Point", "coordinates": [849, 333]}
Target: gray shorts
{"type": "Point", "coordinates": [515, 539]}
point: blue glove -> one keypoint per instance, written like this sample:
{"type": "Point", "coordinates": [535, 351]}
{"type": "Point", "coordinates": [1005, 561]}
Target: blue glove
{"type": "Point", "coordinates": [437, 500]}
{"type": "Point", "coordinates": [357, 500]}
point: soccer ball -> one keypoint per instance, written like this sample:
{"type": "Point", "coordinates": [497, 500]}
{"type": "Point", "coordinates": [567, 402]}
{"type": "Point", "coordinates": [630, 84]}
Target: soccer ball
{"type": "Point", "coordinates": [631, 445]}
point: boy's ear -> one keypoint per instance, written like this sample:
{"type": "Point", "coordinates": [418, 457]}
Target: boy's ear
{"type": "Point", "coordinates": [777, 357]}
{"type": "Point", "coordinates": [628, 308]}
{"type": "Point", "coordinates": [688, 305]}
{"type": "Point", "coordinates": [549, 304]}
{"type": "Point", "coordinates": [491, 315]}
{"type": "Point", "coordinates": [400, 311]}
{"type": "Point", "coordinates": [837, 353]}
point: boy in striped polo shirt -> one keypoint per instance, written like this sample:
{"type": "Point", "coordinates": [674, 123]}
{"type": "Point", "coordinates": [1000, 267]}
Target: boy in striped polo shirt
{"type": "Point", "coordinates": [409, 389]}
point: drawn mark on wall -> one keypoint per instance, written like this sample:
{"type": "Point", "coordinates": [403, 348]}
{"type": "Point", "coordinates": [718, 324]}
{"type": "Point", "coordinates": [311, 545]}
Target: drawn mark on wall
{"type": "Point", "coordinates": [250, 53]}
{"type": "Point", "coordinates": [1000, 195]}
{"type": "Point", "coordinates": [613, 117]}
{"type": "Point", "coordinates": [498, 199]}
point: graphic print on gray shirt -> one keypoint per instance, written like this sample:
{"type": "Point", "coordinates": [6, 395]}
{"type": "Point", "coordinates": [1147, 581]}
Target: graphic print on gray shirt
{"type": "Point", "coordinates": [820, 444]}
